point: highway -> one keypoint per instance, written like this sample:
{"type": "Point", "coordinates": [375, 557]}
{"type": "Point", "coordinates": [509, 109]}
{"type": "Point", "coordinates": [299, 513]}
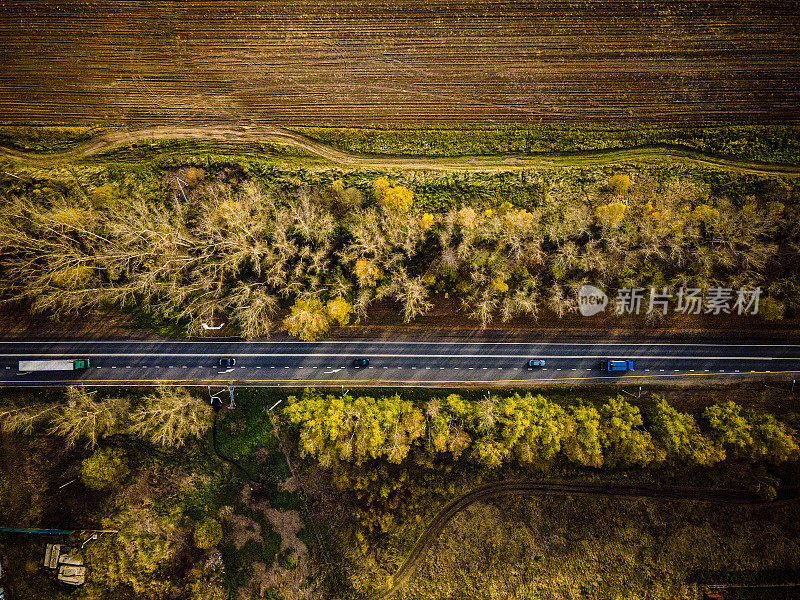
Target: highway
{"type": "Point", "coordinates": [393, 363]}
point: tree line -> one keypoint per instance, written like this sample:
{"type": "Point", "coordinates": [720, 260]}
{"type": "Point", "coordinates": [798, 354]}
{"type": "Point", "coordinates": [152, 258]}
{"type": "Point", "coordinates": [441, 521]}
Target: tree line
{"type": "Point", "coordinates": [532, 430]}
{"type": "Point", "coordinates": [167, 417]}
{"type": "Point", "coordinates": [305, 259]}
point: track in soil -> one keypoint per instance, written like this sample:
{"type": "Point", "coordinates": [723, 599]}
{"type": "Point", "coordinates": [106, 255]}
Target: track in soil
{"type": "Point", "coordinates": [494, 490]}
{"type": "Point", "coordinates": [350, 62]}
{"type": "Point", "coordinates": [239, 135]}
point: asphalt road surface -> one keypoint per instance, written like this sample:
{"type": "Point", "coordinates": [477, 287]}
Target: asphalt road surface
{"type": "Point", "coordinates": [392, 363]}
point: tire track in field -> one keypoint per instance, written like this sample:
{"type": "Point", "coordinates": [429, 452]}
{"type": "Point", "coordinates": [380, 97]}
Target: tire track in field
{"type": "Point", "coordinates": [494, 490]}
{"type": "Point", "coordinates": [240, 134]}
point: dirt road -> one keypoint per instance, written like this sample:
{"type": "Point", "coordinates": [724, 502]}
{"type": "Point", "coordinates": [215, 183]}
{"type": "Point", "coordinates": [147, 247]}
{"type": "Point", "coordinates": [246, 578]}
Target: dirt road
{"type": "Point", "coordinates": [265, 133]}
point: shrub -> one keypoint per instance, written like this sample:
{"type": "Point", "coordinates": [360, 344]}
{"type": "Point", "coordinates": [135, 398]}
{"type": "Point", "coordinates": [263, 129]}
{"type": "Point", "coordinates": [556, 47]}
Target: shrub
{"type": "Point", "coordinates": [619, 184]}
{"type": "Point", "coordinates": [107, 467]}
{"type": "Point", "coordinates": [395, 197]}
{"type": "Point", "coordinates": [611, 214]}
{"type": "Point", "coordinates": [208, 533]}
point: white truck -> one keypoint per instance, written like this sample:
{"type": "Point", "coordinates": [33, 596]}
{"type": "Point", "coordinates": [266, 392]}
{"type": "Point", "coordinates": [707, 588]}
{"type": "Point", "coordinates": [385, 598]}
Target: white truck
{"type": "Point", "coordinates": [68, 364]}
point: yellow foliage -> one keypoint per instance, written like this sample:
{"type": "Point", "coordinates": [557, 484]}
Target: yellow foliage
{"type": "Point", "coordinates": [105, 468]}
{"type": "Point", "coordinates": [426, 221]}
{"type": "Point", "coordinates": [705, 213]}
{"type": "Point", "coordinates": [394, 197]}
{"type": "Point", "coordinates": [367, 273]}
{"type": "Point", "coordinates": [488, 213]}
{"type": "Point", "coordinates": [499, 284]}
{"type": "Point", "coordinates": [208, 533]}
{"type": "Point", "coordinates": [339, 310]}
{"type": "Point", "coordinates": [619, 184]}
{"type": "Point", "coordinates": [308, 320]}
{"type": "Point", "coordinates": [611, 214]}
{"type": "Point", "coordinates": [466, 218]}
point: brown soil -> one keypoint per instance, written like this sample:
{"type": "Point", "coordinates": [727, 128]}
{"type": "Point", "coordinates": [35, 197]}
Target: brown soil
{"type": "Point", "coordinates": [349, 62]}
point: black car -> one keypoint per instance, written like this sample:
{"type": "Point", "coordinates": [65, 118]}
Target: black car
{"type": "Point", "coordinates": [360, 362]}
{"type": "Point", "coordinates": [227, 362]}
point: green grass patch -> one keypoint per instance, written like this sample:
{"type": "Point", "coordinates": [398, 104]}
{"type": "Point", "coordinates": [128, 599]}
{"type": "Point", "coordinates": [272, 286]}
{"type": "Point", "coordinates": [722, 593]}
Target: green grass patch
{"type": "Point", "coordinates": [177, 152]}
{"type": "Point", "coordinates": [46, 139]}
{"type": "Point", "coordinates": [763, 143]}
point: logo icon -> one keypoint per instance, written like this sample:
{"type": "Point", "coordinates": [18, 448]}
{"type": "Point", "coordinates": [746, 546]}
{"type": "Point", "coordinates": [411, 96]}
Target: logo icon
{"type": "Point", "coordinates": [591, 300]}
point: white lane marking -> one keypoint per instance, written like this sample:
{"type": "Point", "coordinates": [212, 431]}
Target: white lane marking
{"type": "Point", "coordinates": [471, 368]}
{"type": "Point", "coordinates": [427, 368]}
{"type": "Point", "coordinates": [647, 369]}
{"type": "Point", "coordinates": [691, 370]}
{"type": "Point", "coordinates": [441, 368]}
{"type": "Point", "coordinates": [370, 367]}
{"type": "Point", "coordinates": [183, 366]}
{"type": "Point", "coordinates": [388, 367]}
{"type": "Point", "coordinates": [558, 369]}
{"type": "Point", "coordinates": [333, 371]}
{"type": "Point", "coordinates": [676, 370]}
{"type": "Point", "coordinates": [272, 367]}
{"type": "Point", "coordinates": [260, 367]}
{"type": "Point", "coordinates": [8, 367]}
{"type": "Point", "coordinates": [544, 369]}
{"type": "Point", "coordinates": [484, 368]}
{"type": "Point", "coordinates": [113, 367]}
{"type": "Point", "coordinates": [413, 367]}
{"type": "Point", "coordinates": [285, 367]}
{"type": "Point", "coordinates": [574, 369]}
{"type": "Point", "coordinates": [455, 368]}
{"type": "Point", "coordinates": [299, 367]}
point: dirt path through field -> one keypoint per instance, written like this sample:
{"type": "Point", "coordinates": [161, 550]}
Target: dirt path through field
{"type": "Point", "coordinates": [494, 490]}
{"type": "Point", "coordinates": [234, 135]}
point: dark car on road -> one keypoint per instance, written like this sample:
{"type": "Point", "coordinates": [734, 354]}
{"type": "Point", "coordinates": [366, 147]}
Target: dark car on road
{"type": "Point", "coordinates": [360, 362]}
{"type": "Point", "coordinates": [227, 362]}
{"type": "Point", "coordinates": [538, 362]}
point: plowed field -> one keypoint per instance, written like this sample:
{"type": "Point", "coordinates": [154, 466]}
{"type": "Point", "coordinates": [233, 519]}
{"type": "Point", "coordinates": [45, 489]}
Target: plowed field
{"type": "Point", "coordinates": [349, 62]}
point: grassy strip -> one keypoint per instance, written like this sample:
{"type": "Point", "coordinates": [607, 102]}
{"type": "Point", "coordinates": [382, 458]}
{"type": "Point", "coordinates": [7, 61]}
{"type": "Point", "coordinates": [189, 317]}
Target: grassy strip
{"type": "Point", "coordinates": [46, 139]}
{"type": "Point", "coordinates": [762, 143]}
{"type": "Point", "coordinates": [162, 153]}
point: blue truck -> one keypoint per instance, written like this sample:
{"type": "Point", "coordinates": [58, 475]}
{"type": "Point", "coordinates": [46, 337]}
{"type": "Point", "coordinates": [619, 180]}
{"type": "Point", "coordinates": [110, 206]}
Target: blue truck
{"type": "Point", "coordinates": [618, 366]}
